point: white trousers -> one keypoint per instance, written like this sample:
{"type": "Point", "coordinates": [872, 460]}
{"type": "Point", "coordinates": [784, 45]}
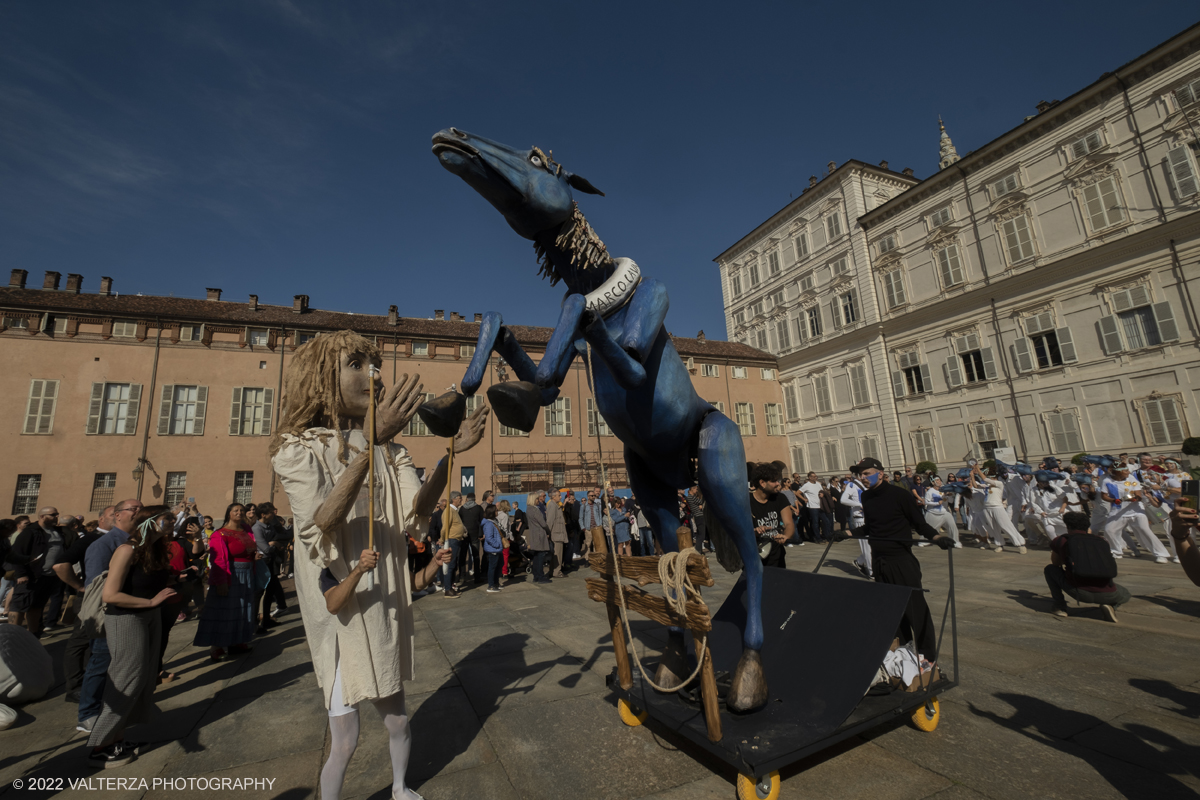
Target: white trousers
{"type": "Point", "coordinates": [1139, 526]}
{"type": "Point", "coordinates": [997, 524]}
{"type": "Point", "coordinates": [943, 522]}
{"type": "Point", "coordinates": [1051, 525]}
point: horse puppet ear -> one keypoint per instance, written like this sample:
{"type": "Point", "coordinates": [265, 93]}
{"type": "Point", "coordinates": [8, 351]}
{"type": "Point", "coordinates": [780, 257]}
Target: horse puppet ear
{"type": "Point", "coordinates": [582, 184]}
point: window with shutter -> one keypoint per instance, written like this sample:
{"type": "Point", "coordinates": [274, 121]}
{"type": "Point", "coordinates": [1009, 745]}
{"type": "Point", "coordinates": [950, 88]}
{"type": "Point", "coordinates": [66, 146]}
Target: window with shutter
{"type": "Point", "coordinates": [744, 413]}
{"type": "Point", "coordinates": [789, 401]}
{"type": "Point", "coordinates": [802, 246]}
{"type": "Point", "coordinates": [1005, 185]}
{"type": "Point", "coordinates": [1182, 166]}
{"type": "Point", "coordinates": [595, 419]}
{"type": "Point", "coordinates": [176, 489]}
{"type": "Point", "coordinates": [774, 419]}
{"type": "Point", "coordinates": [1102, 201]}
{"type": "Point", "coordinates": [1023, 355]}
{"type": "Point", "coordinates": [831, 455]}
{"type": "Point", "coordinates": [869, 446]}
{"type": "Point", "coordinates": [949, 266]}
{"type": "Point", "coordinates": [821, 386]}
{"type": "Point", "coordinates": [114, 408]}
{"type": "Point", "coordinates": [923, 444]}
{"type": "Point", "coordinates": [1164, 422]}
{"type": "Point", "coordinates": [1064, 432]}
{"type": "Point", "coordinates": [783, 335]}
{"type": "Point", "coordinates": [95, 408]}
{"type": "Point", "coordinates": [859, 392]}
{"type": "Point", "coordinates": [1110, 334]}
{"type": "Point", "coordinates": [760, 339]}
{"type": "Point", "coordinates": [940, 217]}
{"type": "Point", "coordinates": [124, 328]}
{"type": "Point", "coordinates": [39, 413]}
{"type": "Point", "coordinates": [235, 413]}
{"type": "Point", "coordinates": [738, 373]}
{"type": "Point", "coordinates": [1089, 143]}
{"type": "Point", "coordinates": [887, 244]}
{"type": "Point", "coordinates": [420, 349]}
{"type": "Point", "coordinates": [104, 487]}
{"type": "Point", "coordinates": [833, 226]}
{"type": "Point", "coordinates": [1188, 94]}
{"type": "Point", "coordinates": [753, 273]}
{"type": "Point", "coordinates": [848, 307]}
{"type": "Point", "coordinates": [1017, 240]}
{"type": "Point", "coordinates": [558, 417]}
{"type": "Point", "coordinates": [840, 266]}
{"type": "Point", "coordinates": [1164, 320]}
{"type": "Point", "coordinates": [798, 459]}
{"type": "Point", "coordinates": [807, 282]}
{"type": "Point", "coordinates": [893, 287]}
{"type": "Point", "coordinates": [773, 262]}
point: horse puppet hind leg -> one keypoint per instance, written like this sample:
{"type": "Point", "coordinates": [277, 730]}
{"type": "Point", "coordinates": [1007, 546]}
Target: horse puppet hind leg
{"type": "Point", "coordinates": [721, 470]}
{"type": "Point", "coordinates": [660, 504]}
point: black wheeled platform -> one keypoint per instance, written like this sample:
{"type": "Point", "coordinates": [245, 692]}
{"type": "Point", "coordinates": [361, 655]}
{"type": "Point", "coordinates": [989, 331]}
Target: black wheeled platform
{"type": "Point", "coordinates": [824, 639]}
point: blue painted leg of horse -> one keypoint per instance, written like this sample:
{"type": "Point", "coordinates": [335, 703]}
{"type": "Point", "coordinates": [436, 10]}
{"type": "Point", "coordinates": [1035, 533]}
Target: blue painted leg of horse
{"type": "Point", "coordinates": [489, 331]}
{"type": "Point", "coordinates": [628, 372]}
{"type": "Point", "coordinates": [721, 469]}
{"type": "Point", "coordinates": [660, 504]}
{"type": "Point", "coordinates": [560, 351]}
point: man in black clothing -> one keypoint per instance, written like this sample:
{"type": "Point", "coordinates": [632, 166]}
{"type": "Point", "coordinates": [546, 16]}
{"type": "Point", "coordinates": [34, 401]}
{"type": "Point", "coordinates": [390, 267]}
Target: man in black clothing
{"type": "Point", "coordinates": [79, 647]}
{"type": "Point", "coordinates": [471, 515]}
{"type": "Point", "coordinates": [771, 514]}
{"type": "Point", "coordinates": [890, 514]}
{"type": "Point", "coordinates": [34, 554]}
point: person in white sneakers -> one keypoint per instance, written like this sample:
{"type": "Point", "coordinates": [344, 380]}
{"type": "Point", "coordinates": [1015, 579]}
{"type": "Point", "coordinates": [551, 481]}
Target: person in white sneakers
{"type": "Point", "coordinates": [1172, 489]}
{"type": "Point", "coordinates": [996, 522]}
{"type": "Point", "coordinates": [1016, 490]}
{"type": "Point", "coordinates": [936, 513]}
{"type": "Point", "coordinates": [852, 499]}
{"type": "Point", "coordinates": [1127, 514]}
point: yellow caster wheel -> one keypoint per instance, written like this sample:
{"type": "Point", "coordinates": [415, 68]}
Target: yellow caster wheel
{"type": "Point", "coordinates": [629, 716]}
{"type": "Point", "coordinates": [927, 716]}
{"type": "Point", "coordinates": [766, 789]}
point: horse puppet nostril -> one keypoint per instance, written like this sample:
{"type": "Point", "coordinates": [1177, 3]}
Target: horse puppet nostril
{"type": "Point", "coordinates": [458, 133]}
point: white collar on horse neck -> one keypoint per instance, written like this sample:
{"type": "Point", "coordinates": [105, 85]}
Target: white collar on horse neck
{"type": "Point", "coordinates": [616, 291]}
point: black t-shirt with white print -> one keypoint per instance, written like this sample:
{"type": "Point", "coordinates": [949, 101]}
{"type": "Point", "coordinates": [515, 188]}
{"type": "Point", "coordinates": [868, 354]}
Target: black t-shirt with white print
{"type": "Point", "coordinates": [768, 515]}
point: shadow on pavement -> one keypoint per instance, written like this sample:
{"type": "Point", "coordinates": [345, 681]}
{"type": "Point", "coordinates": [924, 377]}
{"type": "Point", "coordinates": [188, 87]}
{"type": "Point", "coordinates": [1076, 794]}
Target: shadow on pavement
{"type": "Point", "coordinates": [1169, 691]}
{"type": "Point", "coordinates": [1187, 608]}
{"type": "Point", "coordinates": [1144, 763]}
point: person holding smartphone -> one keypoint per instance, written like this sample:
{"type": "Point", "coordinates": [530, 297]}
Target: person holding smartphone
{"type": "Point", "coordinates": [1184, 523]}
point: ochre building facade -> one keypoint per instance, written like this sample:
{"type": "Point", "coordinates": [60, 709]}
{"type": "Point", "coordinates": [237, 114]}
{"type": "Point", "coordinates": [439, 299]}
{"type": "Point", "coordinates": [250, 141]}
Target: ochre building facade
{"type": "Point", "coordinates": [113, 396]}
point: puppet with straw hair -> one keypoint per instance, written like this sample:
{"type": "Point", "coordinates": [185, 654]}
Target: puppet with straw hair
{"type": "Point", "coordinates": [359, 631]}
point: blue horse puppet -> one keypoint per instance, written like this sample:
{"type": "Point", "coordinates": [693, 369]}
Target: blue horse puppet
{"type": "Point", "coordinates": [673, 439]}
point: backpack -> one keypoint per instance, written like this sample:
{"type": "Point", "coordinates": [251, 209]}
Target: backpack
{"type": "Point", "coordinates": [91, 610]}
{"type": "Point", "coordinates": [1089, 557]}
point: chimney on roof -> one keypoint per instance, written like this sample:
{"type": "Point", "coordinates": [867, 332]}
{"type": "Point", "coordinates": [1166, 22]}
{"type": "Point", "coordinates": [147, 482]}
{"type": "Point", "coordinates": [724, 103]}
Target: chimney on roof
{"type": "Point", "coordinates": [105, 285]}
{"type": "Point", "coordinates": [51, 282]}
{"type": "Point", "coordinates": [74, 282]}
{"type": "Point", "coordinates": [1045, 106]}
{"type": "Point", "coordinates": [700, 335]}
{"type": "Point", "coordinates": [213, 294]}
{"type": "Point", "coordinates": [393, 315]}
{"type": "Point", "coordinates": [456, 317]}
{"type": "Point", "coordinates": [439, 314]}
{"type": "Point", "coordinates": [883, 164]}
{"type": "Point", "coordinates": [830, 167]}
{"type": "Point", "coordinates": [254, 302]}
{"type": "Point", "coordinates": [478, 316]}
{"type": "Point", "coordinates": [300, 303]}
{"type": "Point", "coordinates": [812, 181]}
{"type": "Point", "coordinates": [17, 281]}
{"type": "Point", "coordinates": [907, 171]}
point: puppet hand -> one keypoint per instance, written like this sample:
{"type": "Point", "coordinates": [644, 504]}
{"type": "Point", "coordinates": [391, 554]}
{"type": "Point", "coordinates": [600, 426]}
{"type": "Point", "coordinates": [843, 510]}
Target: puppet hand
{"type": "Point", "coordinates": [471, 430]}
{"type": "Point", "coordinates": [397, 407]}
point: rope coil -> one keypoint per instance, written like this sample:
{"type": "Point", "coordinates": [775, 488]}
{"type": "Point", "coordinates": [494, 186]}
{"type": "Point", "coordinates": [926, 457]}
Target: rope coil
{"type": "Point", "coordinates": [678, 587]}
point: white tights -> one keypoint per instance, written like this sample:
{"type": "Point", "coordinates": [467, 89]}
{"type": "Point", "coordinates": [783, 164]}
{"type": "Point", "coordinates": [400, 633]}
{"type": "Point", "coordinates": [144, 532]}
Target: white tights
{"type": "Point", "coordinates": [343, 730]}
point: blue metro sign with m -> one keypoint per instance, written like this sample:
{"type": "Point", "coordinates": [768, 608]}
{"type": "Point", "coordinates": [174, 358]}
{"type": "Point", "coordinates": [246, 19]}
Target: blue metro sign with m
{"type": "Point", "coordinates": [468, 480]}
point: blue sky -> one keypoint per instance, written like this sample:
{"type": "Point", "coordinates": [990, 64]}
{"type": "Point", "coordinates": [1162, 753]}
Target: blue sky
{"type": "Point", "coordinates": [279, 148]}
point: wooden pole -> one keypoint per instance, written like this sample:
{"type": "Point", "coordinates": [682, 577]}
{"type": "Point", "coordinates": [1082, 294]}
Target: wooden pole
{"type": "Point", "coordinates": [371, 372]}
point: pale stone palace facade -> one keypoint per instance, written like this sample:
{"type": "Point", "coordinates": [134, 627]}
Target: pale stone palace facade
{"type": "Point", "coordinates": [1037, 293]}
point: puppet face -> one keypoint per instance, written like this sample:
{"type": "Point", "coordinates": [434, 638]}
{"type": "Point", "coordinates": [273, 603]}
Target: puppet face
{"type": "Point", "coordinates": [355, 384]}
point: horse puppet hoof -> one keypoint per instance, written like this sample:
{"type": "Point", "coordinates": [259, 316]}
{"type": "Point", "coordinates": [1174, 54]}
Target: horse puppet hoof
{"type": "Point", "coordinates": [516, 404]}
{"type": "Point", "coordinates": [673, 666]}
{"type": "Point", "coordinates": [444, 415]}
{"type": "Point", "coordinates": [748, 687]}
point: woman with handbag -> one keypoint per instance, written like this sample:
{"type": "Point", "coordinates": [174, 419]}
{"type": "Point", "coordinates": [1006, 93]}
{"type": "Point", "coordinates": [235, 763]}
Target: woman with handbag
{"type": "Point", "coordinates": [229, 618]}
{"type": "Point", "coordinates": [136, 587]}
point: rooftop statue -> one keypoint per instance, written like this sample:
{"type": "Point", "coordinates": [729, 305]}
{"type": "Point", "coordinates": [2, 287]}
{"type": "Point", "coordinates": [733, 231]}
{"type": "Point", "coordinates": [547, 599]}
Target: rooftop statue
{"type": "Point", "coordinates": [673, 439]}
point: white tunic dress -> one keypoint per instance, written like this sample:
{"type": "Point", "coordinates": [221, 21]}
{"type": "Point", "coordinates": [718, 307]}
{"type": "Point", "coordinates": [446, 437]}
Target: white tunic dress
{"type": "Point", "coordinates": [373, 633]}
